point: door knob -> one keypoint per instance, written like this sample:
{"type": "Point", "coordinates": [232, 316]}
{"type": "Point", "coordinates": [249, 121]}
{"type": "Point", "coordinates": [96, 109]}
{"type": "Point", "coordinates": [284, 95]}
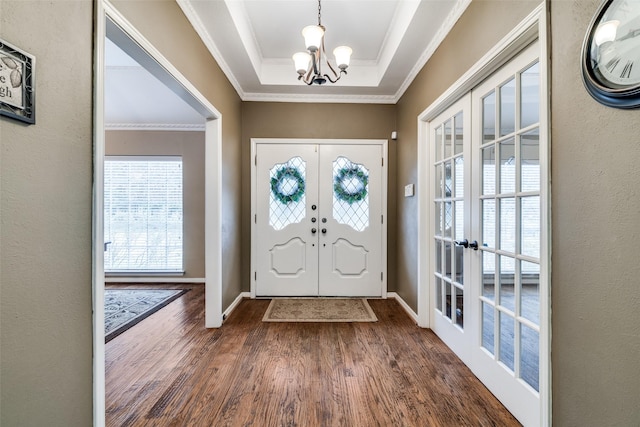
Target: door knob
{"type": "Point", "coordinates": [313, 220]}
{"type": "Point", "coordinates": [324, 231]}
{"type": "Point", "coordinates": [313, 207]}
{"type": "Point", "coordinates": [313, 231]}
{"type": "Point", "coordinates": [474, 245]}
{"type": "Point", "coordinates": [464, 243]}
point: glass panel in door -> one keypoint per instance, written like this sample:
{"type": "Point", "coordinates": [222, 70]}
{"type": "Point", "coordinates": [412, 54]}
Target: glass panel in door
{"type": "Point", "coordinates": [449, 137]}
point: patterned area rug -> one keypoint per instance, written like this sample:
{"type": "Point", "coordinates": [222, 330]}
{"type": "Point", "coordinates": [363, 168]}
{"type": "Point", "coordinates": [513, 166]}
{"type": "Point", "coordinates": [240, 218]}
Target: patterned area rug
{"type": "Point", "coordinates": [319, 310]}
{"type": "Point", "coordinates": [123, 308]}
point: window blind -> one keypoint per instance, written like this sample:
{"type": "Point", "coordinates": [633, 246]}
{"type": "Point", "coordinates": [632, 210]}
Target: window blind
{"type": "Point", "coordinates": [143, 217]}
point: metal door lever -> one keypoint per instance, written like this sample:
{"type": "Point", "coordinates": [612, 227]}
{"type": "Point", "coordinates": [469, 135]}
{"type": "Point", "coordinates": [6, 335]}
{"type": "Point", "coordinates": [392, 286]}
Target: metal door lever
{"type": "Point", "coordinates": [464, 243]}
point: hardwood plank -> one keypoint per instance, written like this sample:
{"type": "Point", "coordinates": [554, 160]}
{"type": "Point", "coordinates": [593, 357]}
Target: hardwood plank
{"type": "Point", "coordinates": [169, 370]}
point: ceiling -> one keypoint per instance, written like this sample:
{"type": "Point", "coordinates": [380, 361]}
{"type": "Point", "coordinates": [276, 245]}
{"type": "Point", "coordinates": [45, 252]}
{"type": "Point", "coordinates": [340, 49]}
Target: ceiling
{"type": "Point", "coordinates": [253, 41]}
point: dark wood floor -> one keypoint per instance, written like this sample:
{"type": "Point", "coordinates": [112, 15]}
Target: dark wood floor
{"type": "Point", "coordinates": [171, 371]}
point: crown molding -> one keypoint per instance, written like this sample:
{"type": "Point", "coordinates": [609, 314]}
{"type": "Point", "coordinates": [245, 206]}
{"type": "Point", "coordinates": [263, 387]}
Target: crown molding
{"type": "Point", "coordinates": [441, 34]}
{"type": "Point", "coordinates": [319, 98]}
{"type": "Point", "coordinates": [156, 126]}
{"type": "Point", "coordinates": [200, 28]}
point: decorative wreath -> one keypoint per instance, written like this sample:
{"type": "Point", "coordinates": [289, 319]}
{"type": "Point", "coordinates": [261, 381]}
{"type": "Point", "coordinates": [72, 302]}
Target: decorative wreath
{"type": "Point", "coordinates": [344, 188]}
{"type": "Point", "coordinates": [284, 175]}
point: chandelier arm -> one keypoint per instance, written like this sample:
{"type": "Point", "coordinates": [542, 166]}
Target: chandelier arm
{"type": "Point", "coordinates": [337, 77]}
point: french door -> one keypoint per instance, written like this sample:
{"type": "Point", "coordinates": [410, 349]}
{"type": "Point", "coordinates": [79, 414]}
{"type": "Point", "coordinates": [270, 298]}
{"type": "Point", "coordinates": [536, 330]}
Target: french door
{"type": "Point", "coordinates": [318, 221]}
{"type": "Point", "coordinates": [487, 232]}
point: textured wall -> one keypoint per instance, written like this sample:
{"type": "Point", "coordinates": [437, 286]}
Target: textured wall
{"type": "Point", "coordinates": [165, 26]}
{"type": "Point", "coordinates": [45, 228]}
{"type": "Point", "coordinates": [189, 145]}
{"type": "Point", "coordinates": [596, 229]}
{"type": "Point", "coordinates": [481, 26]}
{"type": "Point", "coordinates": [325, 121]}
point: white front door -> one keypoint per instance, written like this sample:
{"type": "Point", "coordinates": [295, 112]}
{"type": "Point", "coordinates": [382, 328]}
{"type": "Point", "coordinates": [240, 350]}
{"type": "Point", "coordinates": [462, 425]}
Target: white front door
{"type": "Point", "coordinates": [318, 221]}
{"type": "Point", "coordinates": [487, 237]}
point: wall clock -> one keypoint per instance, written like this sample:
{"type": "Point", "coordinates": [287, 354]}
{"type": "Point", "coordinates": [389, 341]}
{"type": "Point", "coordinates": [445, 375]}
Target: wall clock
{"type": "Point", "coordinates": [611, 54]}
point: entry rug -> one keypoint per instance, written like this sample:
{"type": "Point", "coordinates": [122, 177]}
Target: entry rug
{"type": "Point", "coordinates": [124, 308]}
{"type": "Point", "coordinates": [319, 310]}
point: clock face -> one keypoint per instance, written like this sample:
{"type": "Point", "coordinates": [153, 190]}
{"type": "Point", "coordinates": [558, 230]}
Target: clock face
{"type": "Point", "coordinates": [611, 54]}
{"type": "Point", "coordinates": [614, 51]}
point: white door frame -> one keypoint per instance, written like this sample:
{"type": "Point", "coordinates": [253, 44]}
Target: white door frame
{"type": "Point", "coordinates": [385, 155]}
{"type": "Point", "coordinates": [531, 28]}
{"type": "Point", "coordinates": [147, 55]}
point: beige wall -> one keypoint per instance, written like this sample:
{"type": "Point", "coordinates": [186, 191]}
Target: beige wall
{"type": "Point", "coordinates": [322, 121]}
{"type": "Point", "coordinates": [165, 26]}
{"type": "Point", "coordinates": [190, 146]}
{"type": "Point", "coordinates": [480, 28]}
{"type": "Point", "coordinates": [596, 230]}
{"type": "Point", "coordinates": [45, 229]}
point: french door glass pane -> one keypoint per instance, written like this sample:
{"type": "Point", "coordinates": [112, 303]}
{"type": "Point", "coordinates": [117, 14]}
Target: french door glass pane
{"type": "Point", "coordinates": [529, 356]}
{"type": "Point", "coordinates": [507, 166]}
{"type": "Point", "coordinates": [438, 181]}
{"type": "Point", "coordinates": [439, 294]}
{"type": "Point", "coordinates": [459, 307]}
{"type": "Point", "coordinates": [459, 220]}
{"type": "Point", "coordinates": [438, 143]}
{"type": "Point", "coordinates": [508, 108]}
{"type": "Point", "coordinates": [447, 287]}
{"type": "Point", "coordinates": [447, 260]}
{"type": "Point", "coordinates": [438, 219]}
{"type": "Point", "coordinates": [488, 327]}
{"type": "Point", "coordinates": [488, 274]}
{"type": "Point", "coordinates": [507, 282]}
{"type": "Point", "coordinates": [507, 222]}
{"type": "Point", "coordinates": [489, 170]}
{"type": "Point", "coordinates": [530, 161]}
{"type": "Point", "coordinates": [459, 134]}
{"type": "Point", "coordinates": [530, 96]}
{"type": "Point", "coordinates": [507, 339]}
{"type": "Point", "coordinates": [489, 117]}
{"type": "Point", "coordinates": [448, 139]}
{"type": "Point", "coordinates": [438, 256]}
{"type": "Point", "coordinates": [530, 291]}
{"type": "Point", "coordinates": [448, 219]}
{"type": "Point", "coordinates": [459, 177]}
{"type": "Point", "coordinates": [530, 226]}
{"type": "Point", "coordinates": [448, 181]}
{"type": "Point", "coordinates": [489, 223]}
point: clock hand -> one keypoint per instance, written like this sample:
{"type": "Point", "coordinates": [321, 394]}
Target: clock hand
{"type": "Point", "coordinates": [631, 34]}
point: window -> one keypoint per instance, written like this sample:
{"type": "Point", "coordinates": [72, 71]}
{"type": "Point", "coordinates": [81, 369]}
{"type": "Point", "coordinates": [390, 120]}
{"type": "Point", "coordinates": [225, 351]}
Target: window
{"type": "Point", "coordinates": [143, 214]}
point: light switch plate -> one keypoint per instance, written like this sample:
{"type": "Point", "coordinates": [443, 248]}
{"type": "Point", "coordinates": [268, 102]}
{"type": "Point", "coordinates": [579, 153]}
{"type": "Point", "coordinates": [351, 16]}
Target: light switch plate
{"type": "Point", "coordinates": [408, 190]}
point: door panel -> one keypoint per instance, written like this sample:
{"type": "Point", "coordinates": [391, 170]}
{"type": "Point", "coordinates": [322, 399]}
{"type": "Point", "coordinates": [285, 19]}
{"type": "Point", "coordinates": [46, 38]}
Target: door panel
{"type": "Point", "coordinates": [350, 262]}
{"type": "Point", "coordinates": [286, 249]}
{"type": "Point", "coordinates": [318, 228]}
{"type": "Point", "coordinates": [450, 143]}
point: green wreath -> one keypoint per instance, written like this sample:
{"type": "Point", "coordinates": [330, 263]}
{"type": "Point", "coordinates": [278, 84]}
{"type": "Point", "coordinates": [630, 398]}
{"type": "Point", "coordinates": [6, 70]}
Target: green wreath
{"type": "Point", "coordinates": [345, 194]}
{"type": "Point", "coordinates": [283, 175]}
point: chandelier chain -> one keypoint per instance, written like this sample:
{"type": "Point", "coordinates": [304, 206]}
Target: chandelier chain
{"type": "Point", "coordinates": [319, 14]}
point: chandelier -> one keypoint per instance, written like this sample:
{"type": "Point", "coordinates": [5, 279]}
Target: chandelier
{"type": "Point", "coordinates": [309, 64]}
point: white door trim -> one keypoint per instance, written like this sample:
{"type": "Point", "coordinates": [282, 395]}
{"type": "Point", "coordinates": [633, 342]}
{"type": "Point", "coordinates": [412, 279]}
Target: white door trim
{"type": "Point", "coordinates": [146, 54]}
{"type": "Point", "coordinates": [533, 27]}
{"type": "Point", "coordinates": [385, 155]}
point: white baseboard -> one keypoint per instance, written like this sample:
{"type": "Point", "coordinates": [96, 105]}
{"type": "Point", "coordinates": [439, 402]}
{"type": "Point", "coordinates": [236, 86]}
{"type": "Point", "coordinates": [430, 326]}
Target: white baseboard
{"type": "Point", "coordinates": [117, 279]}
{"type": "Point", "coordinates": [404, 305]}
{"type": "Point", "coordinates": [234, 304]}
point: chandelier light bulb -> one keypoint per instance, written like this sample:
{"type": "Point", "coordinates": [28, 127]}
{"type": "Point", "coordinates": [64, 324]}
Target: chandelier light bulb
{"type": "Point", "coordinates": [302, 61]}
{"type": "Point", "coordinates": [313, 37]}
{"type": "Point", "coordinates": [343, 56]}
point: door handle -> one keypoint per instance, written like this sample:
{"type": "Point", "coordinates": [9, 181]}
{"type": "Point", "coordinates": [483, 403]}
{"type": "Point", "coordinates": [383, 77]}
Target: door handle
{"type": "Point", "coordinates": [313, 231]}
{"type": "Point", "coordinates": [464, 243]}
{"type": "Point", "coordinates": [324, 231]}
{"type": "Point", "coordinates": [474, 245]}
